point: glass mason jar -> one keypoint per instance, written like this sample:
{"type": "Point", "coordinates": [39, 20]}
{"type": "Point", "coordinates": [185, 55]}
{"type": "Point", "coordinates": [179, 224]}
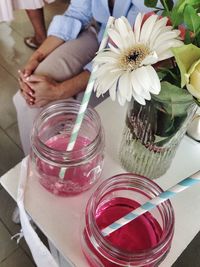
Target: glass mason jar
{"type": "Point", "coordinates": [144, 241]}
{"type": "Point", "coordinates": [152, 134]}
{"type": "Point", "coordinates": [51, 132]}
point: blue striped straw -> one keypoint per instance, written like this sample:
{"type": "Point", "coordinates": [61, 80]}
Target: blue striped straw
{"type": "Point", "coordinates": [86, 98]}
{"type": "Point", "coordinates": [151, 204]}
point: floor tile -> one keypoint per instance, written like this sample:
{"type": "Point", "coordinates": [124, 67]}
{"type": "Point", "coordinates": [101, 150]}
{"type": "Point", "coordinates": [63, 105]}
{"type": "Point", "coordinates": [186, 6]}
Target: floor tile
{"type": "Point", "coordinates": [10, 153]}
{"type": "Point", "coordinates": [6, 210]}
{"type": "Point", "coordinates": [13, 133]}
{"type": "Point", "coordinates": [8, 87]}
{"type": "Point", "coordinates": [7, 246]}
{"type": "Point", "coordinates": [13, 52]}
{"type": "Point", "coordinates": [17, 259]}
{"type": "Point", "coordinates": [7, 207]}
{"type": "Point", "coordinates": [191, 255]}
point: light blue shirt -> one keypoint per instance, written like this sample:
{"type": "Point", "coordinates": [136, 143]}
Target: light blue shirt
{"type": "Point", "coordinates": [80, 13]}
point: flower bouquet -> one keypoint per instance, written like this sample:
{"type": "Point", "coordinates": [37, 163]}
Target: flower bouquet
{"type": "Point", "coordinates": [155, 66]}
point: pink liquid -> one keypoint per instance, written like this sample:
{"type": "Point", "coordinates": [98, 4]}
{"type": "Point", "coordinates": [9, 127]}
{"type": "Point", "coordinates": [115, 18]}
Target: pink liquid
{"type": "Point", "coordinates": [76, 178]}
{"type": "Point", "coordinates": [142, 233]}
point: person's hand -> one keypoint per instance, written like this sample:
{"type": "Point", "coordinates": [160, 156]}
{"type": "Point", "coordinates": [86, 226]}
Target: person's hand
{"type": "Point", "coordinates": [30, 67]}
{"type": "Point", "coordinates": [26, 91]}
{"type": "Point", "coordinates": [41, 89]}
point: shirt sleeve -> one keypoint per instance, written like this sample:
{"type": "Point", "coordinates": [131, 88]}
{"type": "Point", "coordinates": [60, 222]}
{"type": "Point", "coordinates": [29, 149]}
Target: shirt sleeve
{"type": "Point", "coordinates": [68, 26]}
{"type": "Point", "coordinates": [141, 7]}
{"type": "Point", "coordinates": [89, 66]}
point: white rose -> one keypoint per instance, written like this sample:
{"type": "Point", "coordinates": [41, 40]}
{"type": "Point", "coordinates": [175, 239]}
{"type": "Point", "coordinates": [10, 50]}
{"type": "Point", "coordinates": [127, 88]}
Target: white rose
{"type": "Point", "coordinates": [193, 79]}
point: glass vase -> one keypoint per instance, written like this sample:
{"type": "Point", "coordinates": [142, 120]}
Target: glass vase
{"type": "Point", "coordinates": [152, 134]}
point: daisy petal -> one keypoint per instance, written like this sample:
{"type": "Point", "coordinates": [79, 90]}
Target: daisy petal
{"type": "Point", "coordinates": [116, 38]}
{"type": "Point", "coordinates": [121, 99]}
{"type": "Point", "coordinates": [168, 45]}
{"type": "Point", "coordinates": [144, 92]}
{"type": "Point", "coordinates": [108, 80]}
{"type": "Point", "coordinates": [114, 49]}
{"type": "Point", "coordinates": [105, 59]}
{"type": "Point", "coordinates": [151, 59]}
{"type": "Point", "coordinates": [124, 86]}
{"type": "Point", "coordinates": [147, 28]}
{"type": "Point", "coordinates": [138, 87]}
{"type": "Point", "coordinates": [137, 26]}
{"type": "Point", "coordinates": [155, 86]}
{"type": "Point", "coordinates": [158, 28]}
{"type": "Point", "coordinates": [103, 70]}
{"type": "Point", "coordinates": [112, 91]}
{"type": "Point", "coordinates": [121, 27]}
{"type": "Point", "coordinates": [143, 78]}
{"type": "Point", "coordinates": [165, 37]}
{"type": "Point", "coordinates": [128, 26]}
{"type": "Point", "coordinates": [138, 98]}
{"type": "Point", "coordinates": [165, 55]}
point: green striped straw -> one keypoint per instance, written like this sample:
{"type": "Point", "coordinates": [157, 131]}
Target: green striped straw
{"type": "Point", "coordinates": [86, 98]}
{"type": "Point", "coordinates": [151, 204]}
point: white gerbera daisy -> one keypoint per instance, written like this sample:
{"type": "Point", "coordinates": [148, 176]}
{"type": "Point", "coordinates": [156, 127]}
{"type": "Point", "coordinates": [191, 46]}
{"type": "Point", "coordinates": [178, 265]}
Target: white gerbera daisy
{"type": "Point", "coordinates": [125, 67]}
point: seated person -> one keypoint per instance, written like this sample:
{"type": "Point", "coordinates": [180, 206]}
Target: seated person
{"type": "Point", "coordinates": [60, 67]}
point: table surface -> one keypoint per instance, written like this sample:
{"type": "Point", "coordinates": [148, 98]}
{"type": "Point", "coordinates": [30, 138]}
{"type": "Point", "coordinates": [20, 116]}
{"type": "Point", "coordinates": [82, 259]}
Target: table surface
{"type": "Point", "coordinates": [60, 217]}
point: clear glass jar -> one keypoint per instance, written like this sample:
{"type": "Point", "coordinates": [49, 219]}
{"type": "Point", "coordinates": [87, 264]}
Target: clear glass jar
{"type": "Point", "coordinates": [50, 135]}
{"type": "Point", "coordinates": [143, 242]}
{"type": "Point", "coordinates": [152, 134]}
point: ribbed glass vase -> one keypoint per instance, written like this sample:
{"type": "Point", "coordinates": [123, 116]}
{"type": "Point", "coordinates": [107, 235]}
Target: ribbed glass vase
{"type": "Point", "coordinates": [152, 134]}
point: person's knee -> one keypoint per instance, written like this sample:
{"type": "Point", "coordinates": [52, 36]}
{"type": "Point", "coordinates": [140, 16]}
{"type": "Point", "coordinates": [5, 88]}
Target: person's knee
{"type": "Point", "coordinates": [18, 101]}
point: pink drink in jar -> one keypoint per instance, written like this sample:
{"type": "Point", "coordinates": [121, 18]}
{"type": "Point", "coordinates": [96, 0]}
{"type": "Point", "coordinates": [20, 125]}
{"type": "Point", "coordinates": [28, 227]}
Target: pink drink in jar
{"type": "Point", "coordinates": [143, 242]}
{"type": "Point", "coordinates": [51, 133]}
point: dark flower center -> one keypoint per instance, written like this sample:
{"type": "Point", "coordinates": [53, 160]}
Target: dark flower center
{"type": "Point", "coordinates": [132, 57]}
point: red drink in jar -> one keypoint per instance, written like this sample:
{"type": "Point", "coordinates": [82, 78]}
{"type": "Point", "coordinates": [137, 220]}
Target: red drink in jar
{"type": "Point", "coordinates": [50, 136]}
{"type": "Point", "coordinates": [144, 241]}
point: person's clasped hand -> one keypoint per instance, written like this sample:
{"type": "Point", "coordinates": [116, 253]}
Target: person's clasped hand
{"type": "Point", "coordinates": [38, 90]}
{"type": "Point", "coordinates": [42, 89]}
{"type": "Point", "coordinates": [26, 91]}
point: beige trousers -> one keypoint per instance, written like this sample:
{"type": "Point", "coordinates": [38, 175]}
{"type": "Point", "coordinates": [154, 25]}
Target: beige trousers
{"type": "Point", "coordinates": [63, 63]}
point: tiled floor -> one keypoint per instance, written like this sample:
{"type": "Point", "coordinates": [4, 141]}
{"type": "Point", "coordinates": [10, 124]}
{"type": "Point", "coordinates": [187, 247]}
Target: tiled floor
{"type": "Point", "coordinates": [13, 54]}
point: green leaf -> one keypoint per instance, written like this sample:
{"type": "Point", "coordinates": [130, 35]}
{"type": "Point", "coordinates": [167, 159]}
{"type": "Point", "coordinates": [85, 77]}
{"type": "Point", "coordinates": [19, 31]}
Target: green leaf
{"type": "Point", "coordinates": [176, 18]}
{"type": "Point", "coordinates": [192, 2]}
{"type": "Point", "coordinates": [162, 140]}
{"type": "Point", "coordinates": [187, 37]}
{"type": "Point", "coordinates": [174, 99]}
{"type": "Point", "coordinates": [171, 110]}
{"type": "Point", "coordinates": [176, 15]}
{"type": "Point", "coordinates": [167, 4]}
{"type": "Point", "coordinates": [185, 57]}
{"type": "Point", "coordinates": [151, 3]}
{"type": "Point", "coordinates": [191, 19]}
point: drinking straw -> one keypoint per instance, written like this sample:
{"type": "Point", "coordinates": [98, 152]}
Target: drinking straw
{"type": "Point", "coordinates": [86, 97]}
{"type": "Point", "coordinates": [149, 205]}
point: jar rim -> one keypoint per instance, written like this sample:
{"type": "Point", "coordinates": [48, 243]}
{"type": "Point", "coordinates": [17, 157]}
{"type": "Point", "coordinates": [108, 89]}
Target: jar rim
{"type": "Point", "coordinates": [106, 246]}
{"type": "Point", "coordinates": [84, 153]}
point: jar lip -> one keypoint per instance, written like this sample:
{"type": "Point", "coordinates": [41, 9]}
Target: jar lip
{"type": "Point", "coordinates": [107, 246]}
{"type": "Point", "coordinates": [65, 105]}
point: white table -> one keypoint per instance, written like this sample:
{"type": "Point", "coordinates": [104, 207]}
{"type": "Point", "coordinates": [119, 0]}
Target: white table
{"type": "Point", "coordinates": [59, 218]}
